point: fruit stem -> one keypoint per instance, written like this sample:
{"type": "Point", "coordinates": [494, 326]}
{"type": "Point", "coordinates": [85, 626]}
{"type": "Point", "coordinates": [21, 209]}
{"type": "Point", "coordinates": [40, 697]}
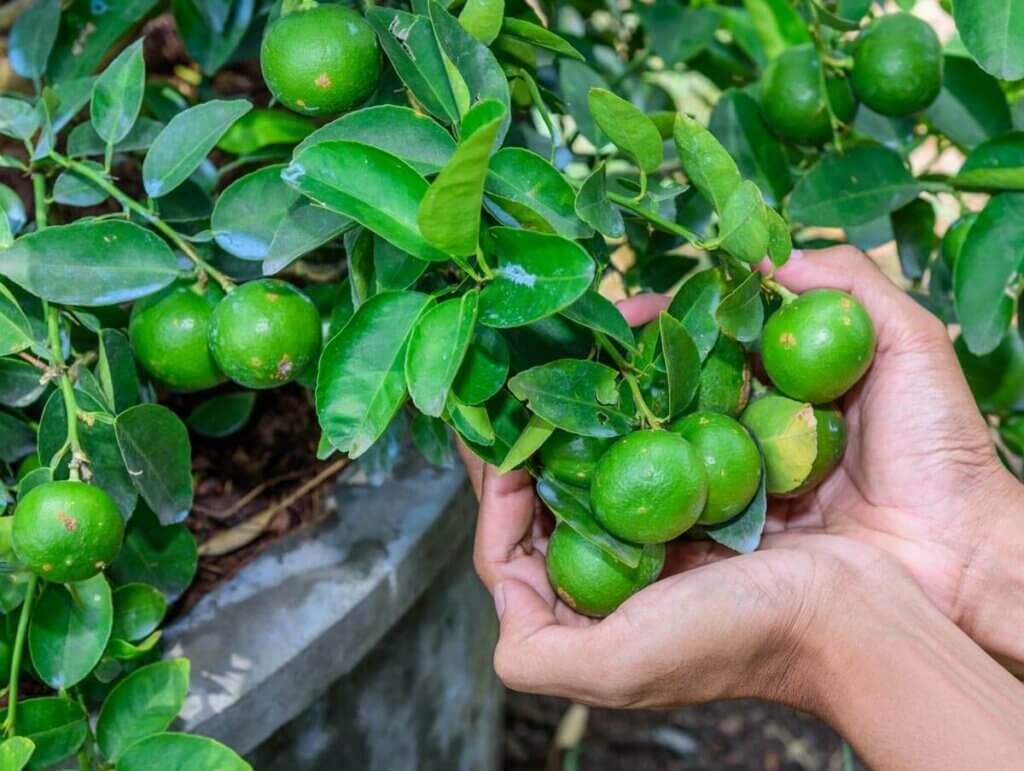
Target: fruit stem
{"type": "Point", "coordinates": [653, 420]}
{"type": "Point", "coordinates": [134, 206]}
{"type": "Point", "coordinates": [657, 220]}
{"type": "Point", "coordinates": [39, 196]}
{"type": "Point", "coordinates": [482, 262]}
{"type": "Point", "coordinates": [10, 726]}
{"type": "Point", "coordinates": [78, 456]}
{"type": "Point", "coordinates": [834, 122]}
{"type": "Point", "coordinates": [786, 295]}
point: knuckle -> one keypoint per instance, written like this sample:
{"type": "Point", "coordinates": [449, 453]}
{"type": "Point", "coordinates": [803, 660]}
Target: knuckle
{"type": "Point", "coordinates": [506, 666]}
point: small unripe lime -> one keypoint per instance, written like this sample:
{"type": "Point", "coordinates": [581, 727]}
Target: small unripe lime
{"type": "Point", "coordinates": [731, 459]}
{"type": "Point", "coordinates": [793, 93]}
{"type": "Point", "coordinates": [818, 346]}
{"type": "Point", "coordinates": [321, 61]}
{"type": "Point", "coordinates": [265, 334]}
{"type": "Point", "coordinates": [66, 531]}
{"type": "Point", "coordinates": [897, 65]}
{"type": "Point", "coordinates": [571, 458]}
{"type": "Point", "coordinates": [169, 334]}
{"type": "Point", "coordinates": [831, 437]}
{"type": "Point", "coordinates": [649, 487]}
{"type": "Point", "coordinates": [591, 581]}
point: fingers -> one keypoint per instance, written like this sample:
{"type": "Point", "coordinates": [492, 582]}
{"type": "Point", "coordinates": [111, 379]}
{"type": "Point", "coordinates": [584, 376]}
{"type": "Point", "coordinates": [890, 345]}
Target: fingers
{"type": "Point", "coordinates": [897, 318]}
{"type": "Point", "coordinates": [642, 308]}
{"type": "Point", "coordinates": [474, 466]}
{"type": "Point", "coordinates": [507, 507]}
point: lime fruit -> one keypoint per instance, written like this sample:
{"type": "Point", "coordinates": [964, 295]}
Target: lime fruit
{"type": "Point", "coordinates": [27, 466]}
{"type": "Point", "coordinates": [724, 379]}
{"type": "Point", "coordinates": [322, 61]}
{"type": "Point", "coordinates": [66, 531]}
{"type": "Point", "coordinates": [897, 65]}
{"type": "Point", "coordinates": [732, 461]}
{"type": "Point", "coordinates": [591, 581]}
{"type": "Point", "coordinates": [265, 333]}
{"type": "Point", "coordinates": [786, 432]}
{"type": "Point", "coordinates": [649, 487]}
{"type": "Point", "coordinates": [831, 441]}
{"type": "Point", "coordinates": [571, 458]}
{"type": "Point", "coordinates": [169, 333]}
{"type": "Point", "coordinates": [818, 346]}
{"type": "Point", "coordinates": [793, 92]}
{"type": "Point", "coordinates": [953, 241]}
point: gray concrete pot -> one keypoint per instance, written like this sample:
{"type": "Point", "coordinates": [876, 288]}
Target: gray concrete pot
{"type": "Point", "coordinates": [364, 643]}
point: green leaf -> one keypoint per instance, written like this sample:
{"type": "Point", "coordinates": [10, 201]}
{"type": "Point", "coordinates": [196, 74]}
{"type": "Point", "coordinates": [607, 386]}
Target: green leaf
{"type": "Point", "coordinates": [986, 271]}
{"type": "Point", "coordinates": [223, 415]}
{"type": "Point", "coordinates": [261, 128]}
{"type": "Point", "coordinates": [10, 203]}
{"type": "Point", "coordinates": [393, 269]}
{"type": "Point", "coordinates": [575, 79]}
{"type": "Point", "coordinates": [993, 31]}
{"type": "Point", "coordinates": [378, 190]}
{"type": "Point", "coordinates": [303, 228]}
{"type": "Point", "coordinates": [117, 95]}
{"type": "Point", "coordinates": [212, 29]}
{"type": "Point", "coordinates": [596, 312]}
{"type": "Point", "coordinates": [73, 189]}
{"type": "Point", "coordinates": [743, 228]}
{"type": "Point", "coordinates": [677, 33]}
{"type": "Point", "coordinates": [696, 305]}
{"type": "Point", "coordinates": [20, 383]}
{"type": "Point", "coordinates": [482, 19]}
{"type": "Point", "coordinates": [165, 557]}
{"type": "Point", "coordinates": [537, 275]}
{"type": "Point", "coordinates": [449, 214]}
{"type": "Point", "coordinates": [914, 229]}
{"type": "Point", "coordinates": [16, 439]}
{"type": "Point", "coordinates": [18, 119]}
{"type": "Point", "coordinates": [996, 164]}
{"type": "Point", "coordinates": [402, 132]}
{"type": "Point", "coordinates": [158, 455]}
{"type": "Point", "coordinates": [778, 25]}
{"type": "Point", "coordinates": [539, 36]}
{"type": "Point", "coordinates": [534, 435]}
{"type": "Point", "coordinates": [743, 532]}
{"type": "Point", "coordinates": [16, 751]}
{"type": "Point", "coordinates": [593, 207]}
{"type": "Point", "coordinates": [780, 242]}
{"type": "Point", "coordinates": [83, 139]}
{"type": "Point", "coordinates": [473, 423]}
{"type": "Point", "coordinates": [32, 38]}
{"type": "Point", "coordinates": [627, 127]}
{"type": "Point", "coordinates": [144, 703]}
{"type": "Point", "coordinates": [971, 107]}
{"type": "Point", "coordinates": [56, 725]}
{"type": "Point", "coordinates": [430, 436]}
{"type": "Point", "coordinates": [682, 363]}
{"type": "Point", "coordinates": [72, 96]}
{"type": "Point", "coordinates": [736, 122]}
{"type": "Point", "coordinates": [571, 505]}
{"type": "Point", "coordinates": [70, 628]}
{"type": "Point", "coordinates": [15, 330]}
{"type": "Point", "coordinates": [484, 368]}
{"type": "Point", "coordinates": [361, 383]}
{"type": "Point", "coordinates": [864, 183]}
{"type": "Point", "coordinates": [530, 190]}
{"type": "Point", "coordinates": [186, 140]}
{"type": "Point", "coordinates": [708, 165]}
{"type": "Point", "coordinates": [116, 371]}
{"type": "Point", "coordinates": [138, 610]}
{"type": "Point", "coordinates": [76, 54]}
{"type": "Point", "coordinates": [180, 752]}
{"type": "Point", "coordinates": [581, 397]}
{"type": "Point", "coordinates": [437, 348]}
{"type": "Point", "coordinates": [741, 312]}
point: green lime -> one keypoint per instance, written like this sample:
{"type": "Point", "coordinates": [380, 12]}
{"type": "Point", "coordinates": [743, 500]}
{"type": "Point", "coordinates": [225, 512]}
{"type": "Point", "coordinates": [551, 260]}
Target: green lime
{"type": "Point", "coordinates": [265, 333]}
{"type": "Point", "coordinates": [67, 531]}
{"type": "Point", "coordinates": [169, 333]}
{"type": "Point", "coordinates": [27, 466]}
{"type": "Point", "coordinates": [793, 97]}
{"type": "Point", "coordinates": [591, 581]}
{"type": "Point", "coordinates": [724, 379]}
{"type": "Point", "coordinates": [953, 241]}
{"type": "Point", "coordinates": [897, 65]}
{"type": "Point", "coordinates": [321, 61]}
{"type": "Point", "coordinates": [571, 458]}
{"type": "Point", "coordinates": [649, 487]}
{"type": "Point", "coordinates": [831, 436]}
{"type": "Point", "coordinates": [731, 458]}
{"type": "Point", "coordinates": [818, 346]}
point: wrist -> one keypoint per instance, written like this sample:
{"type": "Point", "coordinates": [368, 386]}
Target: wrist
{"type": "Point", "coordinates": [989, 607]}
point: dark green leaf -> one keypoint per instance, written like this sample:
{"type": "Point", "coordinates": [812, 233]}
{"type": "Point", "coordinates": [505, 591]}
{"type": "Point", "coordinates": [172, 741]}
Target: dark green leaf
{"type": "Point", "coordinates": [677, 33]}
{"type": "Point", "coordinates": [595, 312]}
{"type": "Point", "coordinates": [485, 367]}
{"type": "Point", "coordinates": [56, 725]}
{"type": "Point", "coordinates": [743, 226]}
{"type": "Point", "coordinates": [143, 704]}
{"type": "Point", "coordinates": [15, 330]}
{"type": "Point", "coordinates": [971, 107]}
{"type": "Point", "coordinates": [473, 424]}
{"type": "Point", "coordinates": [138, 611]}
{"type": "Point", "coordinates": [780, 242]}
{"type": "Point", "coordinates": [165, 557]}
{"type": "Point", "coordinates": [73, 189]}
{"type": "Point", "coordinates": [180, 752]}
{"type": "Point", "coordinates": [575, 79]}
{"type": "Point", "coordinates": [534, 435]}
{"type": "Point", "coordinates": [736, 122]}
{"type": "Point", "coordinates": [158, 455]}
{"type": "Point", "coordinates": [223, 415]}
{"type": "Point", "coordinates": [211, 42]}
{"type": "Point", "coordinates": [996, 164]}
{"type": "Point", "coordinates": [682, 363]}
{"type": "Point", "coordinates": [430, 436]}
{"type": "Point", "coordinates": [993, 31]}
{"type": "Point", "coordinates": [18, 119]}
{"type": "Point", "coordinates": [88, 31]}
{"type": "Point", "coordinates": [20, 383]}
{"type": "Point", "coordinates": [627, 127]}
{"type": "Point", "coordinates": [914, 229]}
{"type": "Point", "coordinates": [741, 312]}
{"type": "Point", "coordinates": [534, 193]}
{"type": "Point", "coordinates": [117, 95]}
{"type": "Point", "coordinates": [16, 439]}
{"type": "Point", "coordinates": [393, 269]}
{"type": "Point", "coordinates": [593, 207]}
{"type": "Point", "coordinates": [539, 36]}
{"type": "Point", "coordinates": [696, 306]}
{"type": "Point", "coordinates": [11, 205]}
{"type": "Point", "coordinates": [437, 348]}
{"type": "Point", "coordinates": [116, 371]}
{"type": "Point", "coordinates": [83, 139]}
{"type": "Point", "coordinates": [261, 128]}
{"type": "Point", "coordinates": [778, 24]}
{"type": "Point", "coordinates": [708, 165]}
{"type": "Point", "coordinates": [32, 38]}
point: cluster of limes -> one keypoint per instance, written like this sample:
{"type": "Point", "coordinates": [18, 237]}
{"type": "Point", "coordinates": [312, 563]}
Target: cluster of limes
{"type": "Point", "coordinates": [896, 70]}
{"type": "Point", "coordinates": [704, 469]}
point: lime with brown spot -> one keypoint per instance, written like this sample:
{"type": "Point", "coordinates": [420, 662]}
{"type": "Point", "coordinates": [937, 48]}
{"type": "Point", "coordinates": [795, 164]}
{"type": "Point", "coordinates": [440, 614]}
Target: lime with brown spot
{"type": "Point", "coordinates": [66, 531]}
{"type": "Point", "coordinates": [649, 487]}
{"type": "Point", "coordinates": [818, 346]}
{"type": "Point", "coordinates": [591, 581]}
{"type": "Point", "coordinates": [897, 65]}
{"type": "Point", "coordinates": [732, 461]}
{"type": "Point", "coordinates": [831, 441]}
{"type": "Point", "coordinates": [169, 333]}
{"type": "Point", "coordinates": [571, 458]}
{"type": "Point", "coordinates": [320, 61]}
{"type": "Point", "coordinates": [265, 333]}
{"type": "Point", "coordinates": [724, 379]}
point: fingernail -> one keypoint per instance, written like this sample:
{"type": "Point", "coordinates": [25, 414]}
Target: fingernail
{"type": "Point", "coordinates": [499, 600]}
